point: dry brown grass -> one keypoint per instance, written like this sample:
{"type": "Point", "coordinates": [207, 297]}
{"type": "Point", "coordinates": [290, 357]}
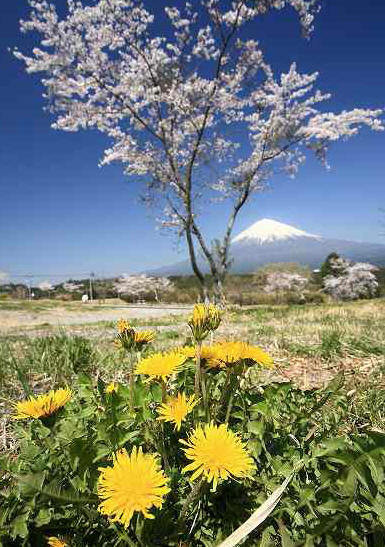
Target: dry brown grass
{"type": "Point", "coordinates": [309, 344]}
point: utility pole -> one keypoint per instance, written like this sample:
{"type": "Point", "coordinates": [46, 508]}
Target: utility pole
{"type": "Point", "coordinates": [29, 277]}
{"type": "Point", "coordinates": [92, 275]}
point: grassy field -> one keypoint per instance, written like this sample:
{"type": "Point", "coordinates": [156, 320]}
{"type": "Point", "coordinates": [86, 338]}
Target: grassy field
{"type": "Point", "coordinates": [333, 352]}
{"type": "Point", "coordinates": [310, 345]}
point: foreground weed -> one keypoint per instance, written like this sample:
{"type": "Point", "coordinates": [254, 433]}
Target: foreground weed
{"type": "Point", "coordinates": [366, 346]}
{"type": "Point", "coordinates": [331, 344]}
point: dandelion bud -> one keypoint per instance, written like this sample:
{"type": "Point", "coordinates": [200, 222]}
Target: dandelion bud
{"type": "Point", "coordinates": [142, 338]}
{"type": "Point", "coordinates": [126, 338]}
{"type": "Point", "coordinates": [130, 339]}
{"type": "Point", "coordinates": [112, 388]}
{"type": "Point", "coordinates": [123, 325]}
{"type": "Point", "coordinates": [204, 319]}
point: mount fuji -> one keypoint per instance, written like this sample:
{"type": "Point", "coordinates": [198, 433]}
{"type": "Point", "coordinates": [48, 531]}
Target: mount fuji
{"type": "Point", "coordinates": [268, 241]}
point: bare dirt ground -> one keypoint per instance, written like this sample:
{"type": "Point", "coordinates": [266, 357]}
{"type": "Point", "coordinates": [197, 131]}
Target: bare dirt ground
{"type": "Point", "coordinates": [37, 314]}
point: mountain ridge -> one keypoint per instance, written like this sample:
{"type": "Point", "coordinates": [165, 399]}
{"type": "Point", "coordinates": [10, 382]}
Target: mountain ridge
{"type": "Point", "coordinates": [268, 241]}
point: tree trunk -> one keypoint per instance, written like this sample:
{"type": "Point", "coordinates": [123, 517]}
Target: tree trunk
{"type": "Point", "coordinates": [195, 267]}
{"type": "Point", "coordinates": [219, 293]}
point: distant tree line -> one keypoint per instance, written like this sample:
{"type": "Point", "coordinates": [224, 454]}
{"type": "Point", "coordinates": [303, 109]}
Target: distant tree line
{"type": "Point", "coordinates": [338, 278]}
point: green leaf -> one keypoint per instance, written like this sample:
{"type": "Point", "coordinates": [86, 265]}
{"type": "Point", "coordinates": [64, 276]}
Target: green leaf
{"type": "Point", "coordinates": [54, 491]}
{"type": "Point", "coordinates": [255, 447]}
{"type": "Point", "coordinates": [256, 427]}
{"type": "Point", "coordinates": [261, 408]}
{"type": "Point", "coordinates": [126, 437]}
{"type": "Point", "coordinates": [102, 452]}
{"type": "Point", "coordinates": [267, 538]}
{"type": "Point", "coordinates": [285, 536]}
{"type": "Point", "coordinates": [30, 484]}
{"type": "Point", "coordinates": [19, 526]}
{"type": "Point", "coordinates": [43, 517]}
{"type": "Point", "coordinates": [156, 392]}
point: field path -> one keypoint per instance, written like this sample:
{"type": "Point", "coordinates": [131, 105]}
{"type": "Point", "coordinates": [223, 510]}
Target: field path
{"type": "Point", "coordinates": [86, 313]}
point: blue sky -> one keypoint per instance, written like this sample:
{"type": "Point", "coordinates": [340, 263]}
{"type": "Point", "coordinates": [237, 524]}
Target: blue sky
{"type": "Point", "coordinates": [61, 213]}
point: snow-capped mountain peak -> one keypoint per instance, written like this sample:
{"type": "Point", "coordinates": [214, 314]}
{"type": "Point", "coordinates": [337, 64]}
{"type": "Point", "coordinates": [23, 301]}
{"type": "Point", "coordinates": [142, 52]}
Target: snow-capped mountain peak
{"type": "Point", "coordinates": [269, 231]}
{"type": "Point", "coordinates": [268, 241]}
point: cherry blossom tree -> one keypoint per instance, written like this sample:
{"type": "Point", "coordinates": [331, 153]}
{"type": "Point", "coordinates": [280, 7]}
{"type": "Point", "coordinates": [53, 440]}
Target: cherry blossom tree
{"type": "Point", "coordinates": [71, 287]}
{"type": "Point", "coordinates": [352, 281]}
{"type": "Point", "coordinates": [45, 287]}
{"type": "Point", "coordinates": [138, 286]}
{"type": "Point", "coordinates": [179, 107]}
{"type": "Point", "coordinates": [285, 282]}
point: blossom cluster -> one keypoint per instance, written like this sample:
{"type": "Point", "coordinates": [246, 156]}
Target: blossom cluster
{"type": "Point", "coordinates": [285, 281]}
{"type": "Point", "coordinates": [138, 286]}
{"type": "Point", "coordinates": [351, 281]}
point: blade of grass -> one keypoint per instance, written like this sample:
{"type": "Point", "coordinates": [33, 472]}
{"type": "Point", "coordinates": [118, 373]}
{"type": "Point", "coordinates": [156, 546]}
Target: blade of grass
{"type": "Point", "coordinates": [259, 516]}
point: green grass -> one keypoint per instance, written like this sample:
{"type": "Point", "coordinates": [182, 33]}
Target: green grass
{"type": "Point", "coordinates": [325, 337]}
{"type": "Point", "coordinates": [367, 346]}
{"type": "Point", "coordinates": [34, 361]}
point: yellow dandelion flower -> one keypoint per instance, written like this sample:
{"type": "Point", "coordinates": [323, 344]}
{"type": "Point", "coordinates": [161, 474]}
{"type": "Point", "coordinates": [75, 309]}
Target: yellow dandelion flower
{"type": "Point", "coordinates": [188, 351]}
{"type": "Point", "coordinates": [256, 354]}
{"type": "Point", "coordinates": [225, 354]}
{"type": "Point", "coordinates": [206, 352]}
{"type": "Point", "coordinates": [56, 542]}
{"type": "Point", "coordinates": [176, 409]}
{"type": "Point", "coordinates": [42, 405]}
{"type": "Point", "coordinates": [134, 483]}
{"type": "Point", "coordinates": [143, 337]}
{"type": "Point", "coordinates": [204, 319]}
{"type": "Point", "coordinates": [123, 325]}
{"type": "Point", "coordinates": [217, 453]}
{"type": "Point", "coordinates": [112, 387]}
{"type": "Point", "coordinates": [160, 365]}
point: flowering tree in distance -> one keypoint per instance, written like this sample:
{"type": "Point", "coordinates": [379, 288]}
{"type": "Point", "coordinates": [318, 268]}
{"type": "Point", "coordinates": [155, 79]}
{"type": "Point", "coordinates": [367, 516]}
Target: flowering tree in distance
{"type": "Point", "coordinates": [71, 287]}
{"type": "Point", "coordinates": [175, 104]}
{"type": "Point", "coordinates": [137, 286]}
{"type": "Point", "coordinates": [351, 281]}
{"type": "Point", "coordinates": [285, 281]}
{"type": "Point", "coordinates": [45, 286]}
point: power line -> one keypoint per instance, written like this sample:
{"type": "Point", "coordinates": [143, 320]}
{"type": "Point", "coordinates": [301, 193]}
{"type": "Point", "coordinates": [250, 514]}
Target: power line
{"type": "Point", "coordinates": [66, 275]}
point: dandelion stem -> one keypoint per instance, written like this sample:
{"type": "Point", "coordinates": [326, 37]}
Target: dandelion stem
{"type": "Point", "coordinates": [131, 381]}
{"type": "Point", "coordinates": [198, 369]}
{"type": "Point", "coordinates": [224, 393]}
{"type": "Point", "coordinates": [229, 407]}
{"type": "Point", "coordinates": [204, 392]}
{"type": "Point", "coordinates": [189, 500]}
{"type": "Point", "coordinates": [232, 388]}
{"type": "Point", "coordinates": [164, 391]}
{"type": "Point", "coordinates": [163, 449]}
{"type": "Point", "coordinates": [114, 432]}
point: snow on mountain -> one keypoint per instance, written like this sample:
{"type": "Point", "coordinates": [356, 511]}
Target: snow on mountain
{"type": "Point", "coordinates": [268, 231]}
